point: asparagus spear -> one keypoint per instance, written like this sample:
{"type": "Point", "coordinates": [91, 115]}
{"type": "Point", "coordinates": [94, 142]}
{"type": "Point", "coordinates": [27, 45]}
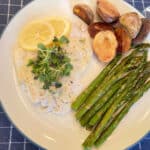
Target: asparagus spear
{"type": "Point", "coordinates": [101, 102]}
{"type": "Point", "coordinates": [96, 95]}
{"type": "Point", "coordinates": [147, 68]}
{"type": "Point", "coordinates": [98, 116]}
{"type": "Point", "coordinates": [136, 50]}
{"type": "Point", "coordinates": [140, 84]}
{"type": "Point", "coordinates": [103, 88]}
{"type": "Point", "coordinates": [108, 131]}
{"type": "Point", "coordinates": [142, 46]}
{"type": "Point", "coordinates": [99, 129]}
{"type": "Point", "coordinates": [142, 78]}
{"type": "Point", "coordinates": [83, 96]}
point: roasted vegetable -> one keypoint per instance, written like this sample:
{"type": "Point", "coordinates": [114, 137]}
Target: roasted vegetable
{"type": "Point", "coordinates": [105, 45]}
{"type": "Point", "coordinates": [84, 12]}
{"type": "Point", "coordinates": [93, 137]}
{"type": "Point", "coordinates": [108, 131]}
{"type": "Point", "coordinates": [96, 27]}
{"type": "Point", "coordinates": [108, 82]}
{"type": "Point", "coordinates": [105, 85]}
{"type": "Point", "coordinates": [99, 79]}
{"type": "Point", "coordinates": [145, 30]}
{"type": "Point", "coordinates": [132, 22]}
{"type": "Point", "coordinates": [124, 39]}
{"type": "Point", "coordinates": [107, 11]}
{"type": "Point", "coordinates": [113, 97]}
{"type": "Point", "coordinates": [101, 103]}
{"type": "Point", "coordinates": [99, 114]}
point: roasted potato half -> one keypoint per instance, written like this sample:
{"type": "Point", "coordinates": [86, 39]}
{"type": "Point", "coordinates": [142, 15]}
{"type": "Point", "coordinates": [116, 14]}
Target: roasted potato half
{"type": "Point", "coordinates": [132, 22]}
{"type": "Point", "coordinates": [105, 45]}
{"type": "Point", "coordinates": [145, 30]}
{"type": "Point", "coordinates": [84, 12]}
{"type": "Point", "coordinates": [124, 39]}
{"type": "Point", "coordinates": [96, 27]}
{"type": "Point", "coordinates": [107, 11]}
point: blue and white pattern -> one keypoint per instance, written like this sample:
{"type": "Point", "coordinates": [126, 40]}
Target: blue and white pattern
{"type": "Point", "coordinates": [10, 137]}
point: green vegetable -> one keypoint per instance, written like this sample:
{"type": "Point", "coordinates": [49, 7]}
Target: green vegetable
{"type": "Point", "coordinates": [85, 119]}
{"type": "Point", "coordinates": [142, 46]}
{"type": "Point", "coordinates": [100, 78]}
{"type": "Point", "coordinates": [51, 64]}
{"type": "Point", "coordinates": [137, 92]}
{"type": "Point", "coordinates": [105, 102]}
{"type": "Point", "coordinates": [97, 117]}
{"type": "Point", "coordinates": [108, 131]}
{"type": "Point", "coordinates": [92, 138]}
{"type": "Point", "coordinates": [105, 73]}
{"type": "Point", "coordinates": [103, 88]}
{"type": "Point", "coordinates": [84, 95]}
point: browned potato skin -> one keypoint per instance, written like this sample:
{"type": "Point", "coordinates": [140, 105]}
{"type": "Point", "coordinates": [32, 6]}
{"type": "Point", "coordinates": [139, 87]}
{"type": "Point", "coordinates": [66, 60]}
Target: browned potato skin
{"type": "Point", "coordinates": [123, 38]}
{"type": "Point", "coordinates": [145, 30]}
{"type": "Point", "coordinates": [84, 12]}
{"type": "Point", "coordinates": [107, 11]}
{"type": "Point", "coordinates": [132, 22]}
{"type": "Point", "coordinates": [105, 45]}
{"type": "Point", "coordinates": [96, 27]}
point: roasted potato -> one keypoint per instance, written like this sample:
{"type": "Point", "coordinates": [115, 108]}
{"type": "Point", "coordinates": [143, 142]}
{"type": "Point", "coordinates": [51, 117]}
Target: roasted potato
{"type": "Point", "coordinates": [96, 27]}
{"type": "Point", "coordinates": [107, 11]}
{"type": "Point", "coordinates": [105, 45]}
{"type": "Point", "coordinates": [132, 22]}
{"type": "Point", "coordinates": [145, 30]}
{"type": "Point", "coordinates": [124, 39]}
{"type": "Point", "coordinates": [84, 12]}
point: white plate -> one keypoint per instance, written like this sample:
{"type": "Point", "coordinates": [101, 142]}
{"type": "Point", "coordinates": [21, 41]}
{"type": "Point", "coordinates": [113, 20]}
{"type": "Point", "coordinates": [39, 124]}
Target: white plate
{"type": "Point", "coordinates": [49, 131]}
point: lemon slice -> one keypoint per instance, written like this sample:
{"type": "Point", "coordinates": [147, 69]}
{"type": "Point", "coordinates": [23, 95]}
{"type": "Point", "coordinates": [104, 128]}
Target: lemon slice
{"type": "Point", "coordinates": [34, 33]}
{"type": "Point", "coordinates": [61, 26]}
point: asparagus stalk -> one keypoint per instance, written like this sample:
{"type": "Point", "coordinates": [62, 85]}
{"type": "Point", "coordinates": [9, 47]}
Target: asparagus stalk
{"type": "Point", "coordinates": [108, 131]}
{"type": "Point", "coordinates": [103, 88]}
{"type": "Point", "coordinates": [136, 50]}
{"type": "Point", "coordinates": [142, 46]}
{"type": "Point", "coordinates": [140, 86]}
{"type": "Point", "coordinates": [83, 96]}
{"type": "Point", "coordinates": [96, 95]}
{"type": "Point", "coordinates": [98, 116]}
{"type": "Point", "coordinates": [142, 78]}
{"type": "Point", "coordinates": [101, 102]}
{"type": "Point", "coordinates": [129, 85]}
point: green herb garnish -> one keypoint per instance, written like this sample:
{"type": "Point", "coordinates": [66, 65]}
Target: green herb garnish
{"type": "Point", "coordinates": [52, 63]}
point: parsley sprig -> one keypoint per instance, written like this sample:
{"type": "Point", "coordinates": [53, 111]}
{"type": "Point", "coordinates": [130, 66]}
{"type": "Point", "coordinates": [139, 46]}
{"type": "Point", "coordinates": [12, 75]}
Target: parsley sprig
{"type": "Point", "coordinates": [52, 63]}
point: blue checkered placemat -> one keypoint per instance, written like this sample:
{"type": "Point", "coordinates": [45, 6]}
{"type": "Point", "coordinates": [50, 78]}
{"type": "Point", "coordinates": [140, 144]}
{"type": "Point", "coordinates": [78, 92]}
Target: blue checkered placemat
{"type": "Point", "coordinates": [10, 137]}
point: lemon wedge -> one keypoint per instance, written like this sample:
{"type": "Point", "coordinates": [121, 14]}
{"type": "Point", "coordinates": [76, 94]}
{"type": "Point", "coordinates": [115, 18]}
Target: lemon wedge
{"type": "Point", "coordinates": [34, 33]}
{"type": "Point", "coordinates": [61, 25]}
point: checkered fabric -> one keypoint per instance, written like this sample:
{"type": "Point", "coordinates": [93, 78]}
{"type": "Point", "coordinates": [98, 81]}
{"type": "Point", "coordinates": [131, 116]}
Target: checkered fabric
{"type": "Point", "coordinates": [10, 137]}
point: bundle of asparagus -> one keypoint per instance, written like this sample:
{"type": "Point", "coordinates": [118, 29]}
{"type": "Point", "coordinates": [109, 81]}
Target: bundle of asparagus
{"type": "Point", "coordinates": [104, 103]}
